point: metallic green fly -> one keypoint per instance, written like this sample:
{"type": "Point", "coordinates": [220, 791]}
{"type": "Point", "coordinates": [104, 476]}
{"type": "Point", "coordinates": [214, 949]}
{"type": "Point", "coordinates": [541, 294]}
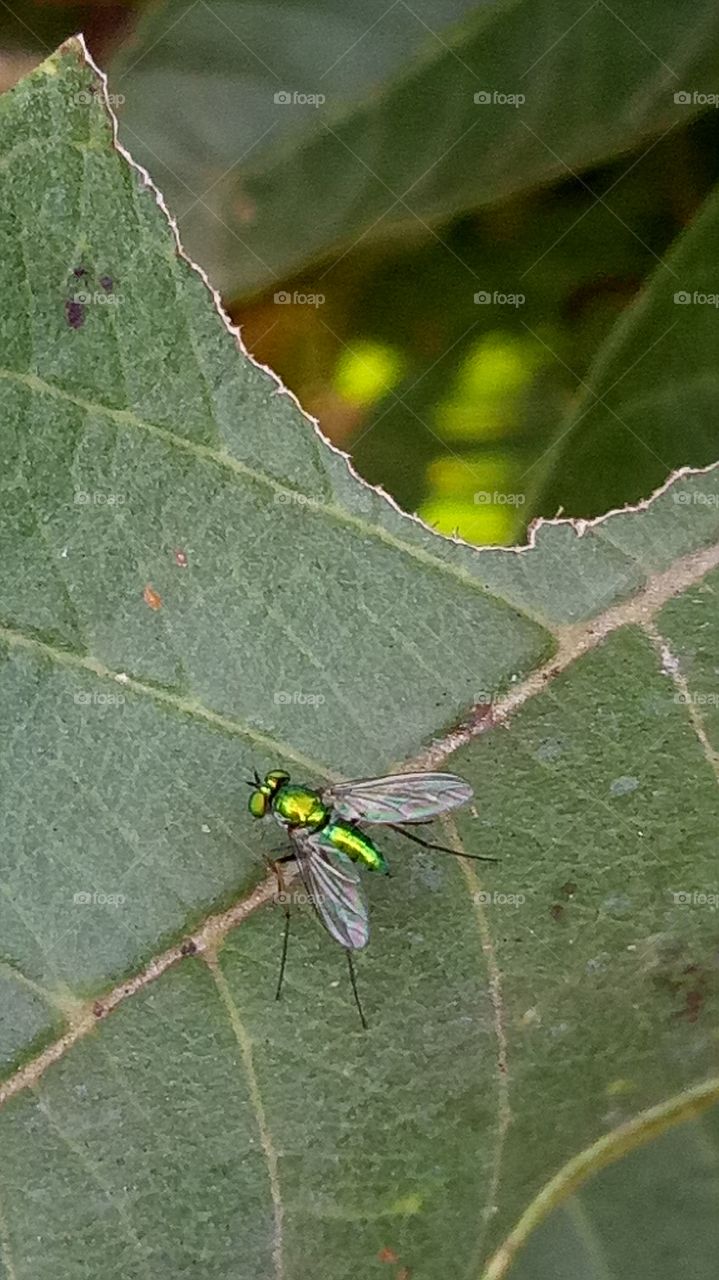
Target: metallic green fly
{"type": "Point", "coordinates": [329, 845]}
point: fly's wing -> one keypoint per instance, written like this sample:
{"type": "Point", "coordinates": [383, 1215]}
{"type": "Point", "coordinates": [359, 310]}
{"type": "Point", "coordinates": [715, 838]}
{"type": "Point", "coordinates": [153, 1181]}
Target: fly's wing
{"type": "Point", "coordinates": [401, 797]}
{"type": "Point", "coordinates": [333, 883]}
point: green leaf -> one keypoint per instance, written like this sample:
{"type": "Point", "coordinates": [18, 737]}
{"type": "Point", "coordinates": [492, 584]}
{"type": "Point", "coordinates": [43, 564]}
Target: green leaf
{"type": "Point", "coordinates": [649, 404]}
{"type": "Point", "coordinates": [261, 188]}
{"type": "Point", "coordinates": [195, 585]}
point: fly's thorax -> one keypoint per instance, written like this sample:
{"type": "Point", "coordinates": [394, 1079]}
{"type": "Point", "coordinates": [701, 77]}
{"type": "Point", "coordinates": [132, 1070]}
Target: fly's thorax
{"type": "Point", "coordinates": [296, 806]}
{"type": "Point", "coordinates": [349, 840]}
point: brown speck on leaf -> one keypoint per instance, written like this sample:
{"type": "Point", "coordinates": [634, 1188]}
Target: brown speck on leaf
{"type": "Point", "coordinates": [404, 1273]}
{"type": "Point", "coordinates": [387, 1255]}
{"type": "Point", "coordinates": [686, 983]}
{"type": "Point", "coordinates": [568, 889]}
{"type": "Point", "coordinates": [74, 313]}
{"type": "Point", "coordinates": [98, 1009]}
{"type": "Point", "coordinates": [181, 558]}
{"type": "Point", "coordinates": [557, 912]}
{"type": "Point", "coordinates": [107, 283]}
{"type": "Point", "coordinates": [151, 597]}
{"type": "Point", "coordinates": [694, 1002]}
{"type": "Point", "coordinates": [188, 948]}
{"type": "Point", "coordinates": [245, 209]}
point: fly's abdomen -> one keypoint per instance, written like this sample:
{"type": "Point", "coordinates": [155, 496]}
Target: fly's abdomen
{"type": "Point", "coordinates": [355, 845]}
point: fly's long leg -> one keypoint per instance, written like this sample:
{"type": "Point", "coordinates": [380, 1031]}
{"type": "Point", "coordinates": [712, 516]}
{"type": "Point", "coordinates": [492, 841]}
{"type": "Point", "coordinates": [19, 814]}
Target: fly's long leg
{"type": "Point", "coordinates": [285, 945]}
{"type": "Point", "coordinates": [286, 938]}
{"type": "Point", "coordinates": [439, 848]}
{"type": "Point", "coordinates": [355, 992]}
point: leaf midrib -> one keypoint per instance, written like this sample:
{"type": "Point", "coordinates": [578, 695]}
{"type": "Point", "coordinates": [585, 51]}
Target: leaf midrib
{"type": "Point", "coordinates": [639, 610]}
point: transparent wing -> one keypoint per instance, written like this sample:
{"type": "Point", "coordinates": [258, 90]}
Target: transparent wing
{"type": "Point", "coordinates": [401, 797]}
{"type": "Point", "coordinates": [333, 883]}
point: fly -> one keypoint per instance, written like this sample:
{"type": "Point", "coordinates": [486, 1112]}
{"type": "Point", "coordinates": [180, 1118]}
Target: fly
{"type": "Point", "coordinates": [329, 845]}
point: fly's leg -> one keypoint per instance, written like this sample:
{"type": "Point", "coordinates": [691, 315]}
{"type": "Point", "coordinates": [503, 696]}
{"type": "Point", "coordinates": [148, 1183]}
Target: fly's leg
{"type": "Point", "coordinates": [285, 945]}
{"type": "Point", "coordinates": [355, 992]}
{"type": "Point", "coordinates": [439, 848]}
{"type": "Point", "coordinates": [282, 892]}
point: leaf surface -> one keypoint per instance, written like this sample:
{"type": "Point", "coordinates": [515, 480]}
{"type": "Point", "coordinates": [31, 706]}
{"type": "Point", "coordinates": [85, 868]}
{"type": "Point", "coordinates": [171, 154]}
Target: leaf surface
{"type": "Point", "coordinates": [194, 585]}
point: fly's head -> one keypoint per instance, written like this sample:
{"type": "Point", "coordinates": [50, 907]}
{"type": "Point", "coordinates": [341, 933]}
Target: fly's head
{"type": "Point", "coordinates": [263, 793]}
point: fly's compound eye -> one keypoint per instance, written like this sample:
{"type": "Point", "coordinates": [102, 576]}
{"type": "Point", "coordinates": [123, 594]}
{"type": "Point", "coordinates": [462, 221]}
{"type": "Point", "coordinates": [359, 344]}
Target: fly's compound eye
{"type": "Point", "coordinates": [276, 779]}
{"type": "Point", "coordinates": [258, 803]}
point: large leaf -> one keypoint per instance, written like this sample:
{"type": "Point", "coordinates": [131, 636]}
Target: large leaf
{"type": "Point", "coordinates": [193, 585]}
{"type": "Point", "coordinates": [400, 144]}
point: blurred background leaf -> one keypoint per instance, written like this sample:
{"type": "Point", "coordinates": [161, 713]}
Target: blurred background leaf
{"type": "Point", "coordinates": [649, 403]}
{"type": "Point", "coordinates": [392, 118]}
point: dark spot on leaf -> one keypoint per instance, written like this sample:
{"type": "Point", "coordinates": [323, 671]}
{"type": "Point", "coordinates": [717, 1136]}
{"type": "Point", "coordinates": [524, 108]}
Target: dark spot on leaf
{"type": "Point", "coordinates": [79, 272]}
{"type": "Point", "coordinates": [568, 889]}
{"type": "Point", "coordinates": [687, 984]}
{"type": "Point", "coordinates": [556, 911]}
{"type": "Point", "coordinates": [106, 283]}
{"type": "Point", "coordinates": [188, 948]}
{"type": "Point", "coordinates": [99, 1009]}
{"type": "Point", "coordinates": [74, 313]}
{"type": "Point", "coordinates": [693, 1005]}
